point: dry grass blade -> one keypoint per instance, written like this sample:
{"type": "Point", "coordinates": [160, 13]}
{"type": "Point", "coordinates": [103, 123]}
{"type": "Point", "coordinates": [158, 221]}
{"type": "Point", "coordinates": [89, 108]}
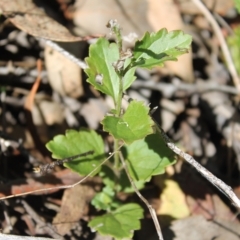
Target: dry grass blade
{"type": "Point", "coordinates": [63, 186]}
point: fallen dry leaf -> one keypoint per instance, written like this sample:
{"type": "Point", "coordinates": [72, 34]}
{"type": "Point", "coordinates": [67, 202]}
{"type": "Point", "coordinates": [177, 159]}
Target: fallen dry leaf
{"type": "Point", "coordinates": [64, 177]}
{"type": "Point", "coordinates": [47, 112]}
{"type": "Point", "coordinates": [91, 16]}
{"type": "Point", "coordinates": [74, 206]}
{"type": "Point", "coordinates": [28, 17]}
{"type": "Point", "coordinates": [219, 6]}
{"type": "Point", "coordinates": [173, 201]}
{"type": "Point", "coordinates": [64, 75]}
{"type": "Point", "coordinates": [198, 228]}
{"type": "Point", "coordinates": [93, 112]}
{"type": "Point", "coordinates": [201, 198]}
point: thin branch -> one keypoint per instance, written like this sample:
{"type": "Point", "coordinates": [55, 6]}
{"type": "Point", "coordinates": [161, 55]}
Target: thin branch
{"type": "Point", "coordinates": [49, 166]}
{"type": "Point", "coordinates": [224, 188]}
{"type": "Point", "coordinates": [151, 210]}
{"type": "Point", "coordinates": [15, 237]}
{"type": "Point", "coordinates": [28, 105]}
{"type": "Point", "coordinates": [222, 41]}
{"type": "Point", "coordinates": [223, 23]}
{"type": "Point", "coordinates": [64, 186]}
{"type": "Point", "coordinates": [64, 52]}
{"type": "Point", "coordinates": [169, 89]}
{"type": "Point", "coordinates": [7, 217]}
{"type": "Point", "coordinates": [40, 222]}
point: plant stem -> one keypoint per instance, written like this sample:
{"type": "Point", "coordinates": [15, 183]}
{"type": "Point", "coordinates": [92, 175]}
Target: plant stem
{"type": "Point", "coordinates": [116, 156]}
{"type": "Point", "coordinates": [118, 105]}
{"type": "Point", "coordinates": [151, 209]}
{"type": "Point", "coordinates": [118, 114]}
{"type": "Point", "coordinates": [117, 32]}
{"type": "Point", "coordinates": [116, 29]}
{"type": "Point", "coordinates": [120, 94]}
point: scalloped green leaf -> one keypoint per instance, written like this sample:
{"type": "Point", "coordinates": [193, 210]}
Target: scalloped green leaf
{"type": "Point", "coordinates": [121, 182]}
{"type": "Point", "coordinates": [119, 224]}
{"type": "Point", "coordinates": [77, 142]}
{"type": "Point", "coordinates": [108, 176]}
{"type": "Point", "coordinates": [156, 48]}
{"type": "Point", "coordinates": [105, 200]}
{"type": "Point", "coordinates": [101, 73]}
{"type": "Point", "coordinates": [133, 125]}
{"type": "Point", "coordinates": [148, 157]}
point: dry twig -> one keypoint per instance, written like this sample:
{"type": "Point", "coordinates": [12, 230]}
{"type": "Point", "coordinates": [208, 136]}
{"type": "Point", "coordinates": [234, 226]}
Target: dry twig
{"type": "Point", "coordinates": [219, 184]}
{"type": "Point", "coordinates": [222, 41]}
{"type": "Point", "coordinates": [64, 186]}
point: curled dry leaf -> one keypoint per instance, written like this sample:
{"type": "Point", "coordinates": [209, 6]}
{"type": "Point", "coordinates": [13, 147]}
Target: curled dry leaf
{"type": "Point", "coordinates": [63, 74]}
{"type": "Point", "coordinates": [74, 206]}
{"type": "Point", "coordinates": [28, 17]}
{"type": "Point", "coordinates": [130, 15]}
{"type": "Point", "coordinates": [47, 112]}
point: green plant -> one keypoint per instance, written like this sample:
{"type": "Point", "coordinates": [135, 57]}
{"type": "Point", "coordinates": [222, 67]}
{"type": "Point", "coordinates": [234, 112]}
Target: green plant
{"type": "Point", "coordinates": [233, 42]}
{"type": "Point", "coordinates": [234, 47]}
{"type": "Point", "coordinates": [237, 4]}
{"type": "Point", "coordinates": [138, 149]}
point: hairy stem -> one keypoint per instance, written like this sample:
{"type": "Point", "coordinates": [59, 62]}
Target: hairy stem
{"type": "Point", "coordinates": [118, 105]}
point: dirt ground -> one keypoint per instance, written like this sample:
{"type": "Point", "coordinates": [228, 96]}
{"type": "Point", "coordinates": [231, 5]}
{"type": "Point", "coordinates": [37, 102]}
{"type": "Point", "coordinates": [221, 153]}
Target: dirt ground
{"type": "Point", "coordinates": [43, 94]}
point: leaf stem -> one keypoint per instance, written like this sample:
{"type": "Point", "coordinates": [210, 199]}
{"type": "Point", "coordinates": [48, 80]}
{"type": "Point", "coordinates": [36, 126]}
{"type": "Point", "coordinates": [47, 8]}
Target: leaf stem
{"type": "Point", "coordinates": [120, 94]}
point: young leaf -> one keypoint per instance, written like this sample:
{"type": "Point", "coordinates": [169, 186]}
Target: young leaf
{"type": "Point", "coordinates": [102, 55]}
{"type": "Point", "coordinates": [73, 143]}
{"type": "Point", "coordinates": [108, 176]}
{"type": "Point", "coordinates": [120, 223]}
{"type": "Point", "coordinates": [148, 157]}
{"type": "Point", "coordinates": [133, 125]}
{"type": "Point", "coordinates": [101, 73]}
{"type": "Point", "coordinates": [105, 199]}
{"type": "Point", "coordinates": [119, 183]}
{"type": "Point", "coordinates": [156, 48]}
